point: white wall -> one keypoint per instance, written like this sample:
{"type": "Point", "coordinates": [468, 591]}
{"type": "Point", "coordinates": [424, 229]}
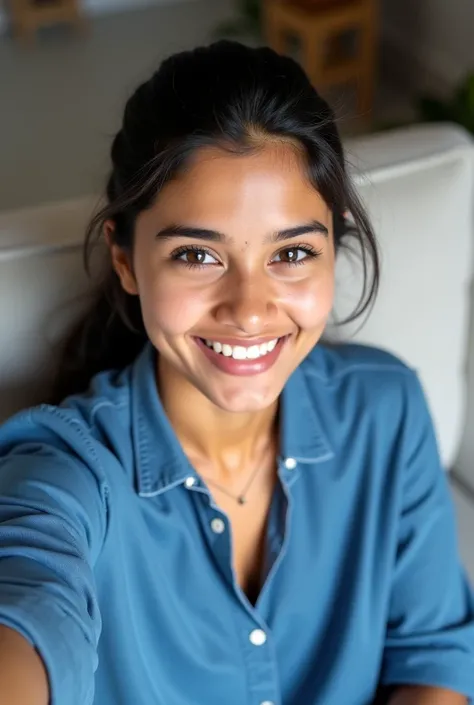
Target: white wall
{"type": "Point", "coordinates": [435, 36]}
{"type": "Point", "coordinates": [103, 6]}
{"type": "Point", "coordinates": [98, 7]}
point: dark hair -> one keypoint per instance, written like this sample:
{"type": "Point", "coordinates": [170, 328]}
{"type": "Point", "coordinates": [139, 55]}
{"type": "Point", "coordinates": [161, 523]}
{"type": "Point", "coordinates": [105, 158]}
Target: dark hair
{"type": "Point", "coordinates": [227, 95]}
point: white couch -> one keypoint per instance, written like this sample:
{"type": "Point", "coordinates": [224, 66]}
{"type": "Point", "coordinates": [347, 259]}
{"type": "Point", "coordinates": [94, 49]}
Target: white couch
{"type": "Point", "coordinates": [419, 186]}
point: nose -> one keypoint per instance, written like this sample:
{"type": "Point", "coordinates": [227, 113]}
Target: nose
{"type": "Point", "coordinates": [248, 304]}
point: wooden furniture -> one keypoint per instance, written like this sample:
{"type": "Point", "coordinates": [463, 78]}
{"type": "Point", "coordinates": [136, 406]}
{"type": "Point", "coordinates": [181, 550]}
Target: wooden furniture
{"type": "Point", "coordinates": [337, 41]}
{"type": "Point", "coordinates": [29, 15]}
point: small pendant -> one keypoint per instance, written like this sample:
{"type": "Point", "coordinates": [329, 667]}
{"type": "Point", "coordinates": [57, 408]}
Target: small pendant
{"type": "Point", "coordinates": [241, 500]}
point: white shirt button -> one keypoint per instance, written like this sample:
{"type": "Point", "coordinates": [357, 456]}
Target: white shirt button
{"type": "Point", "coordinates": [190, 482]}
{"type": "Point", "coordinates": [258, 637]}
{"type": "Point", "coordinates": [218, 526]}
{"type": "Point", "coordinates": [290, 463]}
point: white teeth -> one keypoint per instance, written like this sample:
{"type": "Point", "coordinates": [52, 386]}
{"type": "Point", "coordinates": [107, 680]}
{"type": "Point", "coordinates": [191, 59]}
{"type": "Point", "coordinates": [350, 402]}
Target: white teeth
{"type": "Point", "coordinates": [253, 352]}
{"type": "Point", "coordinates": [239, 352]}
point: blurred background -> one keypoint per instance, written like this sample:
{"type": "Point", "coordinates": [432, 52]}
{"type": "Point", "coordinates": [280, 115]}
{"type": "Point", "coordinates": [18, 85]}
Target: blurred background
{"type": "Point", "coordinates": [67, 67]}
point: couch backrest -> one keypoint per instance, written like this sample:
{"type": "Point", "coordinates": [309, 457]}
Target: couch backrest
{"type": "Point", "coordinates": [42, 283]}
{"type": "Point", "coordinates": [418, 185]}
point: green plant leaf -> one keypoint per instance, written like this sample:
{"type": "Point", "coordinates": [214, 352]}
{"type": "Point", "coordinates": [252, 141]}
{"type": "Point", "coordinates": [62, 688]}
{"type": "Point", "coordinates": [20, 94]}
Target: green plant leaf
{"type": "Point", "coordinates": [252, 9]}
{"type": "Point", "coordinates": [230, 29]}
{"type": "Point", "coordinates": [459, 109]}
{"type": "Point", "coordinates": [463, 104]}
{"type": "Point", "coordinates": [247, 21]}
{"type": "Point", "coordinates": [470, 93]}
{"type": "Point", "coordinates": [434, 110]}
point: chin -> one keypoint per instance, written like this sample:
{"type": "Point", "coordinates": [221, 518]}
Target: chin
{"type": "Point", "coordinates": [243, 400]}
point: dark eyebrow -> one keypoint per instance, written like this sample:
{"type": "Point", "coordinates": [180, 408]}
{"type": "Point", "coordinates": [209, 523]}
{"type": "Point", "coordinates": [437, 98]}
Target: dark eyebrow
{"type": "Point", "coordinates": [194, 233]}
{"type": "Point", "coordinates": [314, 226]}
{"type": "Point", "coordinates": [171, 231]}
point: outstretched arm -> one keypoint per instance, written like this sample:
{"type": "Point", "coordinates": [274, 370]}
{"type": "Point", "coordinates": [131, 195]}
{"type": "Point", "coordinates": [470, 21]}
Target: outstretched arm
{"type": "Point", "coordinates": [23, 679]}
{"type": "Point", "coordinates": [419, 695]}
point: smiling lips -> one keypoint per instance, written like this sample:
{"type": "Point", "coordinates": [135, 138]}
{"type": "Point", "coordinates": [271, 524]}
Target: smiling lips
{"type": "Point", "coordinates": [234, 358]}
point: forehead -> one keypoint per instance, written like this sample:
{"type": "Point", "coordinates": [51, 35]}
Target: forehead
{"type": "Point", "coordinates": [269, 186]}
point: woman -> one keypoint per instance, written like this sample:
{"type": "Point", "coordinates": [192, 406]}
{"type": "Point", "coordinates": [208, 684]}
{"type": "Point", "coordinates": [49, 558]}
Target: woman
{"type": "Point", "coordinates": [242, 514]}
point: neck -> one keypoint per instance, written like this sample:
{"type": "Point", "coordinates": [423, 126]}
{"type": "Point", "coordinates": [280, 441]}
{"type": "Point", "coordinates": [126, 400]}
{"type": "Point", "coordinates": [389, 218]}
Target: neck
{"type": "Point", "coordinates": [209, 433]}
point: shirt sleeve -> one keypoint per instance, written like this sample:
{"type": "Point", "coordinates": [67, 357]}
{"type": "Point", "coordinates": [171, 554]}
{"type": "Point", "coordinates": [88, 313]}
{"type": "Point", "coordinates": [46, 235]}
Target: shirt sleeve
{"type": "Point", "coordinates": [52, 526]}
{"type": "Point", "coordinates": [430, 630]}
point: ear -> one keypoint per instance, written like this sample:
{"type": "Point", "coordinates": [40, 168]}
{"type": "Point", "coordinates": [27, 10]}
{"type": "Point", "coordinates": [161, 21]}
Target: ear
{"type": "Point", "coordinates": [121, 261]}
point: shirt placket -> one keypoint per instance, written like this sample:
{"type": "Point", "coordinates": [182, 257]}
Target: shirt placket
{"type": "Point", "coordinates": [258, 648]}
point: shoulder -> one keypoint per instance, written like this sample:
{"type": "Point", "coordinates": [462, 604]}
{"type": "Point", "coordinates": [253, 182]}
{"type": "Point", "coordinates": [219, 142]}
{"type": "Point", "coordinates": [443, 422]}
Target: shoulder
{"type": "Point", "coordinates": [335, 362]}
{"type": "Point", "coordinates": [83, 427]}
{"type": "Point", "coordinates": [367, 377]}
{"type": "Point", "coordinates": [62, 461]}
{"type": "Point", "coordinates": [360, 392]}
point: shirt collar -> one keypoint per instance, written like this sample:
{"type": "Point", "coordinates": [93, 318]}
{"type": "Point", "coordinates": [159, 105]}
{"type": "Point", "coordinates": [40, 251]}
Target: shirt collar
{"type": "Point", "coordinates": [160, 460]}
{"type": "Point", "coordinates": [303, 438]}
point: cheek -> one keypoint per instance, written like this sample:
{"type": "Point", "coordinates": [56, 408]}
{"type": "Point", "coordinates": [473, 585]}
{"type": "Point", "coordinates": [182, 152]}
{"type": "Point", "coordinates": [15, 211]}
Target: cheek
{"type": "Point", "coordinates": [310, 302]}
{"type": "Point", "coordinates": [169, 305]}
{"type": "Point", "coordinates": [170, 309]}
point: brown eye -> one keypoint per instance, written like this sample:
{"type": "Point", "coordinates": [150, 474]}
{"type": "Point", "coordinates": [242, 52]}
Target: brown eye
{"type": "Point", "coordinates": [290, 256]}
{"type": "Point", "coordinates": [293, 255]}
{"type": "Point", "coordinates": [194, 257]}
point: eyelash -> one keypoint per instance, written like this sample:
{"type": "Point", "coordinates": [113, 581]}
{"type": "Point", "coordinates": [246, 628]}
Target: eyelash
{"type": "Point", "coordinates": [311, 253]}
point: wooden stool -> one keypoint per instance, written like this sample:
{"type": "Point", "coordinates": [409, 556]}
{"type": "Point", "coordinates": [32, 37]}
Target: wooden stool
{"type": "Point", "coordinates": [29, 15]}
{"type": "Point", "coordinates": [319, 27]}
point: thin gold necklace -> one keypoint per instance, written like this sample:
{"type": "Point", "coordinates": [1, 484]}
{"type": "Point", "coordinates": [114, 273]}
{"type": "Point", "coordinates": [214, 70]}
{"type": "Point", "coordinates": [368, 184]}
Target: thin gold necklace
{"type": "Point", "coordinates": [239, 498]}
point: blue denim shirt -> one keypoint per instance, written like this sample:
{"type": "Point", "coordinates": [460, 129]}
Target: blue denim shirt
{"type": "Point", "coordinates": [113, 565]}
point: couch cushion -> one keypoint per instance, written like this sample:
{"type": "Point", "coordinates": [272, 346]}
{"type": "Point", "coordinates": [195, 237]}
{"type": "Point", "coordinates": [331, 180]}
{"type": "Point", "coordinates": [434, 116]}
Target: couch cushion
{"type": "Point", "coordinates": [41, 280]}
{"type": "Point", "coordinates": [464, 504]}
{"type": "Point", "coordinates": [418, 185]}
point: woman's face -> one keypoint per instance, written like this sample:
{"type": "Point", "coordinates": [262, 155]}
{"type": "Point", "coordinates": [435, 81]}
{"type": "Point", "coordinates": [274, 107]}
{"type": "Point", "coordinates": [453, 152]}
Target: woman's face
{"type": "Point", "coordinates": [234, 267]}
